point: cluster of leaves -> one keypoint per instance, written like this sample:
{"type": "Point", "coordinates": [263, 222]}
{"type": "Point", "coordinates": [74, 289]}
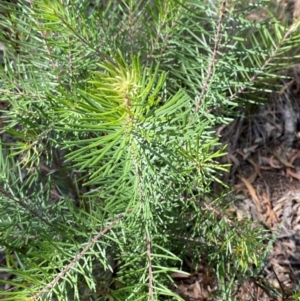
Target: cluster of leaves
{"type": "Point", "coordinates": [112, 106]}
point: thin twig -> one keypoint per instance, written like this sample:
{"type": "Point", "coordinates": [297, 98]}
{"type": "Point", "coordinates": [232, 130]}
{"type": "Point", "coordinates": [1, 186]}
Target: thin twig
{"type": "Point", "coordinates": [151, 294]}
{"type": "Point", "coordinates": [130, 30]}
{"type": "Point", "coordinates": [220, 215]}
{"type": "Point", "coordinates": [22, 94]}
{"type": "Point", "coordinates": [86, 42]}
{"type": "Point", "coordinates": [214, 57]}
{"type": "Point", "coordinates": [25, 206]}
{"type": "Point", "coordinates": [24, 237]}
{"type": "Point", "coordinates": [255, 75]}
{"type": "Point", "coordinates": [267, 62]}
{"type": "Point", "coordinates": [280, 284]}
{"type": "Point", "coordinates": [44, 36]}
{"type": "Point", "coordinates": [154, 45]}
{"type": "Point", "coordinates": [164, 39]}
{"type": "Point", "coordinates": [75, 260]}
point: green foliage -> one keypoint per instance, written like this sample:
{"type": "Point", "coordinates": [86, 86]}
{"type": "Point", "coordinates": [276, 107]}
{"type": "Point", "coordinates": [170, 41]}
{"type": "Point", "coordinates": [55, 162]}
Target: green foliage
{"type": "Point", "coordinates": [113, 107]}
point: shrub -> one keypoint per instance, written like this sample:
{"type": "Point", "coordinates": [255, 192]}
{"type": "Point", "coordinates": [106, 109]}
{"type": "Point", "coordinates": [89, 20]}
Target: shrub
{"type": "Point", "coordinates": [112, 107]}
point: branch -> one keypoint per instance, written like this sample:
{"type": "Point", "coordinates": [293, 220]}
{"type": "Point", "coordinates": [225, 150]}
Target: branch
{"type": "Point", "coordinates": [267, 62]}
{"type": "Point", "coordinates": [264, 66]}
{"type": "Point", "coordinates": [25, 206]}
{"type": "Point", "coordinates": [75, 260]}
{"type": "Point", "coordinates": [85, 41]}
{"type": "Point", "coordinates": [214, 58]}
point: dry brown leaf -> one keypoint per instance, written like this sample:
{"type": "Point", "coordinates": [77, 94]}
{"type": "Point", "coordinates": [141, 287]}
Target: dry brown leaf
{"type": "Point", "coordinates": [250, 149]}
{"type": "Point", "coordinates": [271, 162]}
{"type": "Point", "coordinates": [198, 292]}
{"type": "Point", "coordinates": [271, 217]}
{"type": "Point", "coordinates": [296, 13]}
{"type": "Point", "coordinates": [256, 168]}
{"type": "Point", "coordinates": [234, 160]}
{"type": "Point", "coordinates": [252, 193]}
{"type": "Point", "coordinates": [180, 275]}
{"type": "Point", "coordinates": [282, 160]}
{"type": "Point", "coordinates": [293, 174]}
{"type": "Point", "coordinates": [294, 155]}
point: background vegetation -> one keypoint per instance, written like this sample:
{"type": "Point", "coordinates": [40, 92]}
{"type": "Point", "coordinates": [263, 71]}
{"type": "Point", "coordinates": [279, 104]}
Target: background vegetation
{"type": "Point", "coordinates": [109, 151]}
